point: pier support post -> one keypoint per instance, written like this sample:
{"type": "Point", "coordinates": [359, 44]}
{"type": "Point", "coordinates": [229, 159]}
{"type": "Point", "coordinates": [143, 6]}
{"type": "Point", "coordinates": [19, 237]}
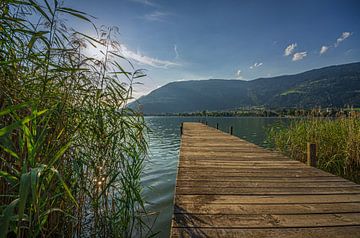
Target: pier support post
{"type": "Point", "coordinates": [217, 126]}
{"type": "Point", "coordinates": [231, 130]}
{"type": "Point", "coordinates": [181, 128]}
{"type": "Point", "coordinates": [311, 154]}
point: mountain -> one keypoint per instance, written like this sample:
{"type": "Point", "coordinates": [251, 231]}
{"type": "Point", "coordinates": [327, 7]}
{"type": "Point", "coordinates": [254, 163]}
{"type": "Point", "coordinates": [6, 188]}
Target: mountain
{"type": "Point", "coordinates": [333, 86]}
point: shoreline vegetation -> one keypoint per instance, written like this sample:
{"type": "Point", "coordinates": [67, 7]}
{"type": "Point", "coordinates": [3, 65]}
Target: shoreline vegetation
{"type": "Point", "coordinates": [265, 112]}
{"type": "Point", "coordinates": [71, 150]}
{"type": "Point", "coordinates": [337, 140]}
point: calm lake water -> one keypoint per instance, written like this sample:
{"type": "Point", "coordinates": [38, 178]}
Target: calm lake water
{"type": "Point", "coordinates": [161, 167]}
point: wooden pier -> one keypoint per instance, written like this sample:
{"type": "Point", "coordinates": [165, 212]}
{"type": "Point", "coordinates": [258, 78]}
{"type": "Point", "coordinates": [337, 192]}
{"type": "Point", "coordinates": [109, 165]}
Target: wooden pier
{"type": "Point", "coordinates": [228, 187]}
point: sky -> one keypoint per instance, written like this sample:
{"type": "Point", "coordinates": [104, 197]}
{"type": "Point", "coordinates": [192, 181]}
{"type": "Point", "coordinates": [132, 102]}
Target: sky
{"type": "Point", "coordinates": [228, 39]}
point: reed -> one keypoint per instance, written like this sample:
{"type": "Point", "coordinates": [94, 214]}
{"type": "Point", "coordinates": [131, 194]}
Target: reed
{"type": "Point", "coordinates": [71, 151]}
{"type": "Point", "coordinates": [337, 139]}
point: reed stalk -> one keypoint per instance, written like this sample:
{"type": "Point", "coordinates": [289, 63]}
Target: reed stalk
{"type": "Point", "coordinates": [71, 151]}
{"type": "Point", "coordinates": [337, 139]}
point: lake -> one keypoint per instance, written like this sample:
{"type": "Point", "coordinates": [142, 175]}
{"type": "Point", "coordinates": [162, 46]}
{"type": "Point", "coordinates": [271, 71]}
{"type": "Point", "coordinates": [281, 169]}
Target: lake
{"type": "Point", "coordinates": [161, 166]}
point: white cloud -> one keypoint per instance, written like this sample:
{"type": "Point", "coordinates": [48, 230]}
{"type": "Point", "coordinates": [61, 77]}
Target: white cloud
{"type": "Point", "coordinates": [343, 37]}
{"type": "Point", "coordinates": [290, 49]}
{"type": "Point", "coordinates": [194, 78]}
{"type": "Point", "coordinates": [176, 52]}
{"type": "Point", "coordinates": [299, 56]}
{"type": "Point", "coordinates": [238, 74]}
{"type": "Point", "coordinates": [255, 65]}
{"type": "Point", "coordinates": [145, 2]}
{"type": "Point", "coordinates": [156, 16]}
{"type": "Point", "coordinates": [97, 51]}
{"type": "Point", "coordinates": [323, 49]}
{"type": "Point", "coordinates": [143, 59]}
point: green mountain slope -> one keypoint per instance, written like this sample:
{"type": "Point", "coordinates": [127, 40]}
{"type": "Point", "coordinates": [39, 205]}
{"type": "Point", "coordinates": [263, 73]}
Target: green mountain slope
{"type": "Point", "coordinates": [334, 86]}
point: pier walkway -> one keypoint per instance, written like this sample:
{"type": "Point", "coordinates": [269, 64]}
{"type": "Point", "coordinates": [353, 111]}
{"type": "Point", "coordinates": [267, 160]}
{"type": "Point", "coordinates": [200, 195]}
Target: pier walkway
{"type": "Point", "coordinates": [228, 187]}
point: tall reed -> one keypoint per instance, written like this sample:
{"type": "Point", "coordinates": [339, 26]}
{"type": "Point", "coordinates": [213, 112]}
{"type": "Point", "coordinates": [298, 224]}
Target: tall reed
{"type": "Point", "coordinates": [71, 151]}
{"type": "Point", "coordinates": [337, 139]}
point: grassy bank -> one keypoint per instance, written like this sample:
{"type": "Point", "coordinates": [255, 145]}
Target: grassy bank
{"type": "Point", "coordinates": [71, 151]}
{"type": "Point", "coordinates": [338, 143]}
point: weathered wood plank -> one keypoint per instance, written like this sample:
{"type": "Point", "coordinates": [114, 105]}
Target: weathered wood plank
{"type": "Point", "coordinates": [235, 162]}
{"type": "Point", "coordinates": [180, 190]}
{"type": "Point", "coordinates": [286, 199]}
{"type": "Point", "coordinates": [241, 170]}
{"type": "Point", "coordinates": [265, 220]}
{"type": "Point", "coordinates": [204, 174]}
{"type": "Point", "coordinates": [244, 168]}
{"type": "Point", "coordinates": [265, 178]}
{"type": "Point", "coordinates": [264, 183]}
{"type": "Point", "coordinates": [333, 232]}
{"type": "Point", "coordinates": [274, 209]}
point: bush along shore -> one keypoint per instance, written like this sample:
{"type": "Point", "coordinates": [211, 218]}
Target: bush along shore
{"type": "Point", "coordinates": [71, 151]}
{"type": "Point", "coordinates": [267, 112]}
{"type": "Point", "coordinates": [337, 140]}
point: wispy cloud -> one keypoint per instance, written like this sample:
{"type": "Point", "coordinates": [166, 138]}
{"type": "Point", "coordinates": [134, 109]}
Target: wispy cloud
{"type": "Point", "coordinates": [143, 59]}
{"type": "Point", "coordinates": [97, 50]}
{"type": "Point", "coordinates": [145, 2]}
{"type": "Point", "coordinates": [290, 49]}
{"type": "Point", "coordinates": [343, 37]}
{"type": "Point", "coordinates": [299, 56]}
{"type": "Point", "coordinates": [323, 49]}
{"type": "Point", "coordinates": [176, 52]}
{"type": "Point", "coordinates": [156, 16]}
{"type": "Point", "coordinates": [238, 74]}
{"type": "Point", "coordinates": [256, 65]}
{"type": "Point", "coordinates": [349, 51]}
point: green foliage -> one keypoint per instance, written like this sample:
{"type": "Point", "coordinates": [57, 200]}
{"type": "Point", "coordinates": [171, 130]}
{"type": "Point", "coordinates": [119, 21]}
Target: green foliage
{"type": "Point", "coordinates": [338, 143]}
{"type": "Point", "coordinates": [71, 151]}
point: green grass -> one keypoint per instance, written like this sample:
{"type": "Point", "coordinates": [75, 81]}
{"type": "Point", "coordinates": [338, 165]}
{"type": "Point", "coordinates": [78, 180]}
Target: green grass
{"type": "Point", "coordinates": [71, 151]}
{"type": "Point", "coordinates": [338, 143]}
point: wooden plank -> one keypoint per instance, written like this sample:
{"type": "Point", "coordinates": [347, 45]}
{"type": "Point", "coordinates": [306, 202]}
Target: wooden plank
{"type": "Point", "coordinates": [264, 183]}
{"type": "Point", "coordinates": [242, 161]}
{"type": "Point", "coordinates": [285, 199]}
{"type": "Point", "coordinates": [274, 209]}
{"type": "Point", "coordinates": [224, 150]}
{"type": "Point", "coordinates": [250, 158]}
{"type": "Point", "coordinates": [264, 178]}
{"type": "Point", "coordinates": [245, 175]}
{"type": "Point", "coordinates": [247, 170]}
{"type": "Point", "coordinates": [180, 190]}
{"type": "Point", "coordinates": [222, 153]}
{"type": "Point", "coordinates": [235, 166]}
{"type": "Point", "coordinates": [228, 187]}
{"type": "Point", "coordinates": [265, 220]}
{"type": "Point", "coordinates": [333, 232]}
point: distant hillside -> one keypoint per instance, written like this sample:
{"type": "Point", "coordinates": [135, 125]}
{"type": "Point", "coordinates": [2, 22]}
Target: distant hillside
{"type": "Point", "coordinates": [334, 86]}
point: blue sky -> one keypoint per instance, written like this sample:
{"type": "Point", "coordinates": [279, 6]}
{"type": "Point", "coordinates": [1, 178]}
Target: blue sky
{"type": "Point", "coordinates": [239, 39]}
